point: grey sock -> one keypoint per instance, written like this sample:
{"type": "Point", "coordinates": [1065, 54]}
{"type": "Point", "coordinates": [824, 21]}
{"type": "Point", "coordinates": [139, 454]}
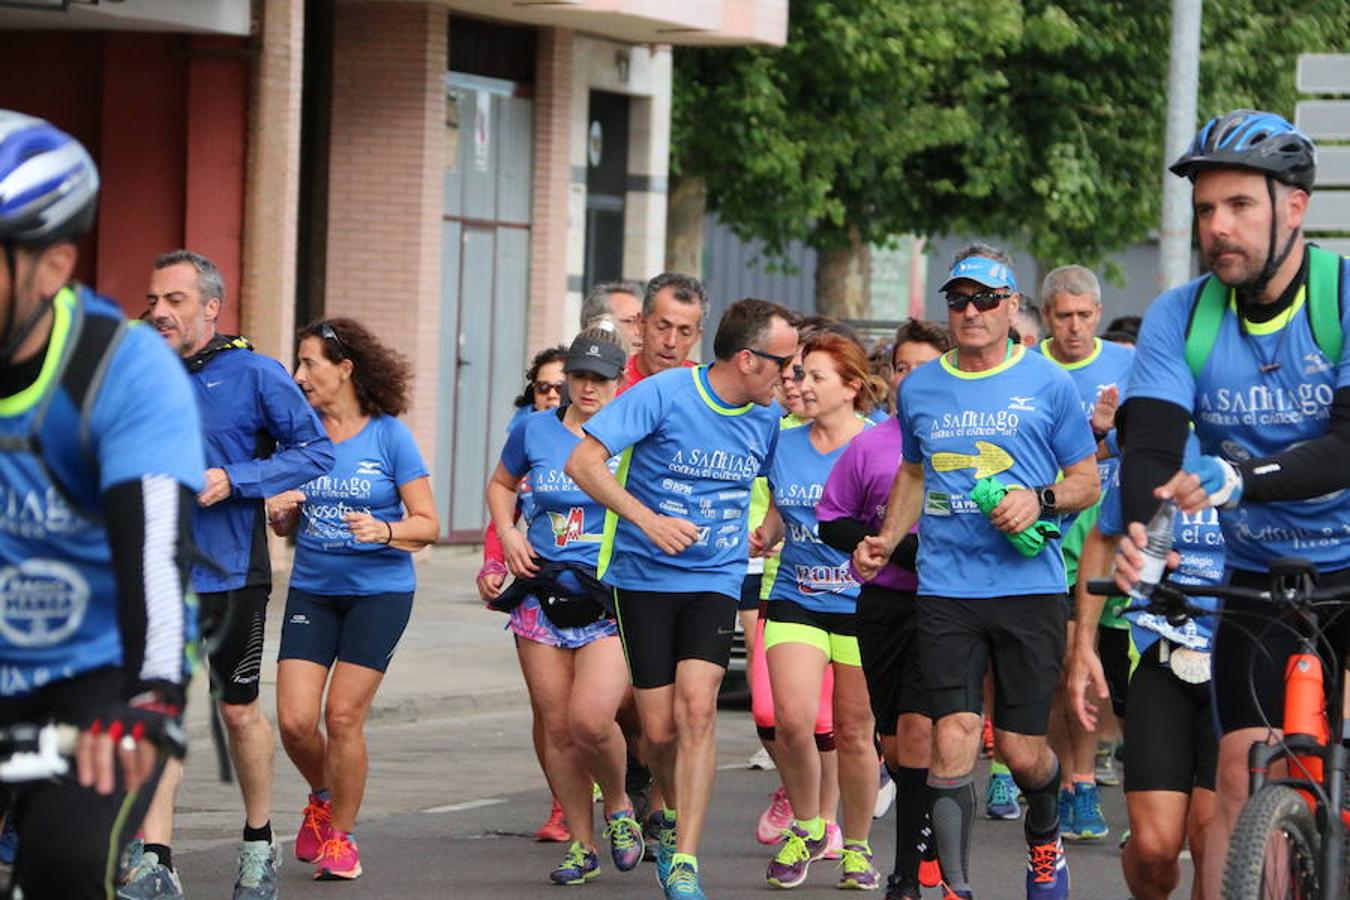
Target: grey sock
{"type": "Point", "coordinates": [953, 812]}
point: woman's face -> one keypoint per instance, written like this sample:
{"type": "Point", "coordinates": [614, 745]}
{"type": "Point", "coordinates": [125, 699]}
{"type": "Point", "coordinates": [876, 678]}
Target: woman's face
{"type": "Point", "coordinates": [589, 391]}
{"type": "Point", "coordinates": [548, 385]}
{"type": "Point", "coordinates": [823, 390]}
{"type": "Point", "coordinates": [321, 379]}
{"type": "Point", "coordinates": [792, 391]}
{"type": "Point", "coordinates": [908, 357]}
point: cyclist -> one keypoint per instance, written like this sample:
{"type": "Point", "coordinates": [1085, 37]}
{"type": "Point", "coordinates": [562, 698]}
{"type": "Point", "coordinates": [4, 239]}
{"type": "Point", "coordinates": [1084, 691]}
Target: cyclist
{"type": "Point", "coordinates": [94, 618]}
{"type": "Point", "coordinates": [675, 548]}
{"type": "Point", "coordinates": [991, 579]}
{"type": "Point", "coordinates": [1249, 353]}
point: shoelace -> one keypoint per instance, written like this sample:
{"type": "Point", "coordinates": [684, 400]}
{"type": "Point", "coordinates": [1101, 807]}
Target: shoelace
{"type": "Point", "coordinates": [1043, 860]}
{"type": "Point", "coordinates": [793, 849]}
{"type": "Point", "coordinates": [332, 848]}
{"type": "Point", "coordinates": [999, 792]}
{"type": "Point", "coordinates": [1085, 805]}
{"type": "Point", "coordinates": [683, 880]}
{"type": "Point", "coordinates": [623, 831]}
{"type": "Point", "coordinates": [667, 837]}
{"type": "Point", "coordinates": [316, 816]}
{"type": "Point", "coordinates": [253, 865]}
{"type": "Point", "coordinates": [780, 808]}
{"type": "Point", "coordinates": [575, 859]}
{"type": "Point", "coordinates": [854, 862]}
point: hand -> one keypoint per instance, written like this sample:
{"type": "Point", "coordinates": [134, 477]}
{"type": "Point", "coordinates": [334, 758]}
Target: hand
{"type": "Point", "coordinates": [128, 739]}
{"type": "Point", "coordinates": [519, 554]}
{"type": "Point", "coordinates": [217, 488]}
{"type": "Point", "coordinates": [1130, 556]}
{"type": "Point", "coordinates": [489, 580]}
{"type": "Point", "coordinates": [758, 542]}
{"type": "Point", "coordinates": [1017, 511]}
{"type": "Point", "coordinates": [1086, 673]}
{"type": "Point", "coordinates": [366, 529]}
{"type": "Point", "coordinates": [1185, 490]}
{"type": "Point", "coordinates": [1221, 482]}
{"type": "Point", "coordinates": [671, 535]}
{"type": "Point", "coordinates": [1104, 410]}
{"type": "Point", "coordinates": [283, 508]}
{"type": "Point", "coordinates": [871, 555]}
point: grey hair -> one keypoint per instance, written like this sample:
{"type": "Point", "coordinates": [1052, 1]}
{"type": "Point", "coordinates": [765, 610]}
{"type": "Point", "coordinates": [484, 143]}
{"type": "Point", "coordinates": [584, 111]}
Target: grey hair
{"type": "Point", "coordinates": [210, 282]}
{"type": "Point", "coordinates": [687, 289]}
{"type": "Point", "coordinates": [1076, 280]}
{"type": "Point", "coordinates": [988, 251]}
{"type": "Point", "coordinates": [596, 302]}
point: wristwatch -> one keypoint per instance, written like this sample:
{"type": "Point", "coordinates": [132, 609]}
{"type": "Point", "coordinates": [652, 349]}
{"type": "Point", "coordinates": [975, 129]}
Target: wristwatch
{"type": "Point", "coordinates": [1046, 497]}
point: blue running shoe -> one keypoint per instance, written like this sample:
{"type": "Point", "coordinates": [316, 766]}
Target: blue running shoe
{"type": "Point", "coordinates": [663, 830]}
{"type": "Point", "coordinates": [1047, 871]}
{"type": "Point", "coordinates": [683, 883]}
{"type": "Point", "coordinates": [1088, 822]}
{"type": "Point", "coordinates": [1067, 827]}
{"type": "Point", "coordinates": [578, 866]}
{"type": "Point", "coordinates": [625, 840]}
{"type": "Point", "coordinates": [9, 842]}
{"type": "Point", "coordinates": [1000, 801]}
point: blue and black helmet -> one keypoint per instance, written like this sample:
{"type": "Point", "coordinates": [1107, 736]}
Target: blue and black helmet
{"type": "Point", "coordinates": [1250, 139]}
{"type": "Point", "coordinates": [48, 182]}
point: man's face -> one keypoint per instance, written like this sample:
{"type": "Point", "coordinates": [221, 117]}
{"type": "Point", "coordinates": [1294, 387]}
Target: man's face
{"type": "Point", "coordinates": [1073, 326]}
{"type": "Point", "coordinates": [1232, 217]}
{"type": "Point", "coordinates": [974, 330]}
{"type": "Point", "coordinates": [174, 305]}
{"type": "Point", "coordinates": [627, 310]}
{"type": "Point", "coordinates": [765, 375]}
{"type": "Point", "coordinates": [670, 332]}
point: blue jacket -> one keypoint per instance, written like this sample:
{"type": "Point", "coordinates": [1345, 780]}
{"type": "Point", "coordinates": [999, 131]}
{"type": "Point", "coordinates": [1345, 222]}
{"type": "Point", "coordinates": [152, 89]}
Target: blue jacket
{"type": "Point", "coordinates": [261, 430]}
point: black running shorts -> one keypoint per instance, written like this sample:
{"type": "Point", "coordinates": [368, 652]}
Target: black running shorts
{"type": "Point", "coordinates": [1169, 731]}
{"type": "Point", "coordinates": [232, 624]}
{"type": "Point", "coordinates": [889, 643]}
{"type": "Point", "coordinates": [1023, 636]}
{"type": "Point", "coordinates": [1113, 646]}
{"type": "Point", "coordinates": [660, 629]}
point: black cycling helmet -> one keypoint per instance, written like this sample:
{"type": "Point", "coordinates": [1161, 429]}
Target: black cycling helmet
{"type": "Point", "coordinates": [1250, 139]}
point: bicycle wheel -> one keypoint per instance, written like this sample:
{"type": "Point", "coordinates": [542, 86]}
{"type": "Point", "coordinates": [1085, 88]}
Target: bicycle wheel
{"type": "Point", "coordinates": [1273, 853]}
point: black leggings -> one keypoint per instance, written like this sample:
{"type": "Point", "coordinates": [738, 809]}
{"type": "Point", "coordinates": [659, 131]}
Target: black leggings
{"type": "Point", "coordinates": [70, 838]}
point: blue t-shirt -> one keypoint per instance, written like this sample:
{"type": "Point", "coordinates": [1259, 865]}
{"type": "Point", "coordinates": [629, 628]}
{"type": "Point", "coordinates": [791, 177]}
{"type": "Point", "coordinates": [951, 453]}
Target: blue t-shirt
{"type": "Point", "coordinates": [1108, 365]}
{"type": "Point", "coordinates": [1241, 413]}
{"type": "Point", "coordinates": [685, 454]}
{"type": "Point", "coordinates": [812, 574]}
{"type": "Point", "coordinates": [1199, 541]}
{"type": "Point", "coordinates": [564, 524]}
{"type": "Point", "coordinates": [371, 466]}
{"type": "Point", "coordinates": [58, 595]}
{"type": "Point", "coordinates": [1021, 422]}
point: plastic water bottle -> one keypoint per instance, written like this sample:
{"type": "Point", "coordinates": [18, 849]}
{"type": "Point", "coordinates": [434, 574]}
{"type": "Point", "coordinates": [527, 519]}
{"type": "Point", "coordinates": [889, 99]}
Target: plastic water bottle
{"type": "Point", "coordinates": [1161, 529]}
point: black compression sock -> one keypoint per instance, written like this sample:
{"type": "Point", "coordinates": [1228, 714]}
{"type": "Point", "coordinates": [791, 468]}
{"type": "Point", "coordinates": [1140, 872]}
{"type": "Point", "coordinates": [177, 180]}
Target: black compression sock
{"type": "Point", "coordinates": [953, 813]}
{"type": "Point", "coordinates": [1042, 822]}
{"type": "Point", "coordinates": [911, 813]}
{"type": "Point", "coordinates": [163, 853]}
{"type": "Point", "coordinates": [259, 834]}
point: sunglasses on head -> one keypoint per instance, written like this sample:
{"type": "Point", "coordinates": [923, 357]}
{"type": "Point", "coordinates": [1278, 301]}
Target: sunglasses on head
{"type": "Point", "coordinates": [328, 334]}
{"type": "Point", "coordinates": [548, 387]}
{"type": "Point", "coordinates": [983, 300]}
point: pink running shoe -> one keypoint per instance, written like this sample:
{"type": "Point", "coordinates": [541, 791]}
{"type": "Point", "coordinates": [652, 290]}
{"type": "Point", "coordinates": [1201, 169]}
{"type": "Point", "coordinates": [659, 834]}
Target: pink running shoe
{"type": "Point", "coordinates": [776, 819]}
{"type": "Point", "coordinates": [338, 859]}
{"type": "Point", "coordinates": [834, 841]}
{"type": "Point", "coordinates": [316, 827]}
{"type": "Point", "coordinates": [555, 829]}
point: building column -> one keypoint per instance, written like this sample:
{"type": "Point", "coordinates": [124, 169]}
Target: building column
{"type": "Point", "coordinates": [387, 159]}
{"type": "Point", "coordinates": [644, 226]}
{"type": "Point", "coordinates": [553, 308]}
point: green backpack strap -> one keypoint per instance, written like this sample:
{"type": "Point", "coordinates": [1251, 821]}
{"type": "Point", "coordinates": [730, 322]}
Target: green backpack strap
{"type": "Point", "coordinates": [1206, 317]}
{"type": "Point", "coordinates": [1324, 302]}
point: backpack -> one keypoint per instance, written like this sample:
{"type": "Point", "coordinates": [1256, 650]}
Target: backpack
{"type": "Point", "coordinates": [1323, 301]}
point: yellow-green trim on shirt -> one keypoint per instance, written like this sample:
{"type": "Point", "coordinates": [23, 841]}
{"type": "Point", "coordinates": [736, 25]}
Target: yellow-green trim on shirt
{"type": "Point", "coordinates": [1087, 360]}
{"type": "Point", "coordinates": [1275, 324]}
{"type": "Point", "coordinates": [1014, 356]}
{"type": "Point", "coordinates": [612, 518]}
{"type": "Point", "coordinates": [715, 404]}
{"type": "Point", "coordinates": [63, 314]}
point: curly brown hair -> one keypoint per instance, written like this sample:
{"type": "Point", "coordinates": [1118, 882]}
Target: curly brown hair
{"type": "Point", "coordinates": [380, 374]}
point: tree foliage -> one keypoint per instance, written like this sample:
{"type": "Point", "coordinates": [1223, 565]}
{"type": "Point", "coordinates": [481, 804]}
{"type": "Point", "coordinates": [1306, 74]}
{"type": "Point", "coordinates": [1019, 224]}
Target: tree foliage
{"type": "Point", "coordinates": [1039, 121]}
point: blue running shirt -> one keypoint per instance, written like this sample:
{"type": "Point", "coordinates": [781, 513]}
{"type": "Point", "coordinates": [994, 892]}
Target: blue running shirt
{"type": "Point", "coordinates": [685, 454]}
{"type": "Point", "coordinates": [564, 523]}
{"type": "Point", "coordinates": [1199, 540]}
{"type": "Point", "coordinates": [1107, 366]}
{"type": "Point", "coordinates": [1240, 413]}
{"type": "Point", "coordinates": [1021, 422]}
{"type": "Point", "coordinates": [371, 466]}
{"type": "Point", "coordinates": [810, 573]}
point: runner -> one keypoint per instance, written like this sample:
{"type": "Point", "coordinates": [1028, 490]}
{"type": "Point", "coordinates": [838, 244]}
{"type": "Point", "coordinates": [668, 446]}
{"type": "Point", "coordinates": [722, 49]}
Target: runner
{"type": "Point", "coordinates": [852, 505]}
{"type": "Point", "coordinates": [674, 307]}
{"type": "Point", "coordinates": [82, 445]}
{"type": "Point", "coordinates": [261, 438]}
{"type": "Point", "coordinates": [567, 642]}
{"type": "Point", "coordinates": [1257, 353]}
{"type": "Point", "coordinates": [352, 582]}
{"type": "Point", "coordinates": [811, 624]}
{"type": "Point", "coordinates": [991, 580]}
{"type": "Point", "coordinates": [620, 299]}
{"type": "Point", "coordinates": [675, 548]}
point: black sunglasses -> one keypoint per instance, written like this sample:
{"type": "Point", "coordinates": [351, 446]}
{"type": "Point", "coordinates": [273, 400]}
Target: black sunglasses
{"type": "Point", "coordinates": [782, 362]}
{"type": "Point", "coordinates": [984, 300]}
{"type": "Point", "coordinates": [548, 387]}
{"type": "Point", "coordinates": [327, 332]}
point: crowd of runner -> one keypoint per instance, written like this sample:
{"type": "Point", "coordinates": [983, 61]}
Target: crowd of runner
{"type": "Point", "coordinates": [902, 532]}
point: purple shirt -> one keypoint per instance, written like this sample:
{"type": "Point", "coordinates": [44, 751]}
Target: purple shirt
{"type": "Point", "coordinates": [858, 488]}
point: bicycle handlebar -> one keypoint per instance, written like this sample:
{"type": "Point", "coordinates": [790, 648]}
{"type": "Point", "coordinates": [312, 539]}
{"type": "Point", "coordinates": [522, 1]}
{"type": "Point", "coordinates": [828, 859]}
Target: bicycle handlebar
{"type": "Point", "coordinates": [36, 752]}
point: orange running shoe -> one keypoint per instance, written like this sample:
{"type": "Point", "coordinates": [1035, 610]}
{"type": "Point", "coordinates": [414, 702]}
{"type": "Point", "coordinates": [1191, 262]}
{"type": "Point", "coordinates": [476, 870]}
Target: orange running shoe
{"type": "Point", "coordinates": [555, 830]}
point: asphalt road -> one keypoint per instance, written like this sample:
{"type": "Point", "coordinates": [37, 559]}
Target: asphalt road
{"type": "Point", "coordinates": [452, 805]}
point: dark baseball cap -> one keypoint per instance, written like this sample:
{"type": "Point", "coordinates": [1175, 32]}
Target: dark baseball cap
{"type": "Point", "coordinates": [600, 357]}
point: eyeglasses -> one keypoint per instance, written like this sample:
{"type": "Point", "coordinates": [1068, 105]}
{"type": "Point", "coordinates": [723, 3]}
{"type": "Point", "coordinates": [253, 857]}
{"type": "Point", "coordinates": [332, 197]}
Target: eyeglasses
{"type": "Point", "coordinates": [782, 362]}
{"type": "Point", "coordinates": [548, 387]}
{"type": "Point", "coordinates": [328, 334]}
{"type": "Point", "coordinates": [984, 300]}
{"type": "Point", "coordinates": [798, 373]}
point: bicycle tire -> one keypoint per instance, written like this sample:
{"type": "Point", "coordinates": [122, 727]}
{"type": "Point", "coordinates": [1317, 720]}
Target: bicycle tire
{"type": "Point", "coordinates": [1275, 810]}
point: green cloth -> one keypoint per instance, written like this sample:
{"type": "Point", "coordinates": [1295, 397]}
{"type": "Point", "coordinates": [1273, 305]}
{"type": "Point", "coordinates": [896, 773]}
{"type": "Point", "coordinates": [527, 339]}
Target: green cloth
{"type": "Point", "coordinates": [989, 493]}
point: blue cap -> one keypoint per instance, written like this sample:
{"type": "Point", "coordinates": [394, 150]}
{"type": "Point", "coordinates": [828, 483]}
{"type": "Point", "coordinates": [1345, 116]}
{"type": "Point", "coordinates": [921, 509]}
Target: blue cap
{"type": "Point", "coordinates": [985, 271]}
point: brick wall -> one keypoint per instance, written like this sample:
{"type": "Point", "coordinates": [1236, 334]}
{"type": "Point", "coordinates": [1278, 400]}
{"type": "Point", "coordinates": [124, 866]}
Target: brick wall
{"type": "Point", "coordinates": [550, 321]}
{"type": "Point", "coordinates": [387, 171]}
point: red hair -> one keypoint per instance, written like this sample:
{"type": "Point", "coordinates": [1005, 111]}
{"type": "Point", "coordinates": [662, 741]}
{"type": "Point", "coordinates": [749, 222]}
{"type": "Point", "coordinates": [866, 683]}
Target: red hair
{"type": "Point", "coordinates": [851, 362]}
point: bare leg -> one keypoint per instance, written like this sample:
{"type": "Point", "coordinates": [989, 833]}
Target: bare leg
{"type": "Point", "coordinates": [696, 683]}
{"type": "Point", "coordinates": [854, 727]}
{"type": "Point", "coordinates": [349, 697]}
{"type": "Point", "coordinates": [300, 685]}
{"type": "Point", "coordinates": [252, 750]}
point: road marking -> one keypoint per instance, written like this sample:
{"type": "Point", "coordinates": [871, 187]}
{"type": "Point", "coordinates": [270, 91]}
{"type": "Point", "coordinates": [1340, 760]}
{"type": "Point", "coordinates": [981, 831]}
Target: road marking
{"type": "Point", "coordinates": [467, 804]}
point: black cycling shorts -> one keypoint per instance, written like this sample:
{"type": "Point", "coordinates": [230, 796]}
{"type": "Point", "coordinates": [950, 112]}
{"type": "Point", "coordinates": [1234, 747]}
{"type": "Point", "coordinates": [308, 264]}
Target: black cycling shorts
{"type": "Point", "coordinates": [70, 838]}
{"type": "Point", "coordinates": [889, 643]}
{"type": "Point", "coordinates": [1113, 646]}
{"type": "Point", "coordinates": [1251, 647]}
{"type": "Point", "coordinates": [660, 629]}
{"type": "Point", "coordinates": [1170, 743]}
{"type": "Point", "coordinates": [232, 625]}
{"type": "Point", "coordinates": [750, 588]}
{"type": "Point", "coordinates": [1024, 638]}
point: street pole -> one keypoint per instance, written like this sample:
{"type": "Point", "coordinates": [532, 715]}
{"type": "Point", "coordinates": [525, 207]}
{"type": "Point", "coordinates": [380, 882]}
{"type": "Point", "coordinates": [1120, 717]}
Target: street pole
{"type": "Point", "coordinates": [1183, 78]}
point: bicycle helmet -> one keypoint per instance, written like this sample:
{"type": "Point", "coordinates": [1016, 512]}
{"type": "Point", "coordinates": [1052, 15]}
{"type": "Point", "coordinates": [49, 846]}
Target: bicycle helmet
{"type": "Point", "coordinates": [48, 183]}
{"type": "Point", "coordinates": [1250, 139]}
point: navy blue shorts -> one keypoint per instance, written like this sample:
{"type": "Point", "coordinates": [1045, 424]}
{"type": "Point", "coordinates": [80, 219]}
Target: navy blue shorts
{"type": "Point", "coordinates": [362, 630]}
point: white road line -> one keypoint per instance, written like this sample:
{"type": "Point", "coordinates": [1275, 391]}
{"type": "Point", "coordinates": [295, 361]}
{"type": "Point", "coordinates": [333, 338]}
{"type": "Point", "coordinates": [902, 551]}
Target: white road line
{"type": "Point", "coordinates": [467, 804]}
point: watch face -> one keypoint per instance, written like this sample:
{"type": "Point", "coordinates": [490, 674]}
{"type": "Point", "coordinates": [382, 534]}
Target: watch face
{"type": "Point", "coordinates": [1048, 498]}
